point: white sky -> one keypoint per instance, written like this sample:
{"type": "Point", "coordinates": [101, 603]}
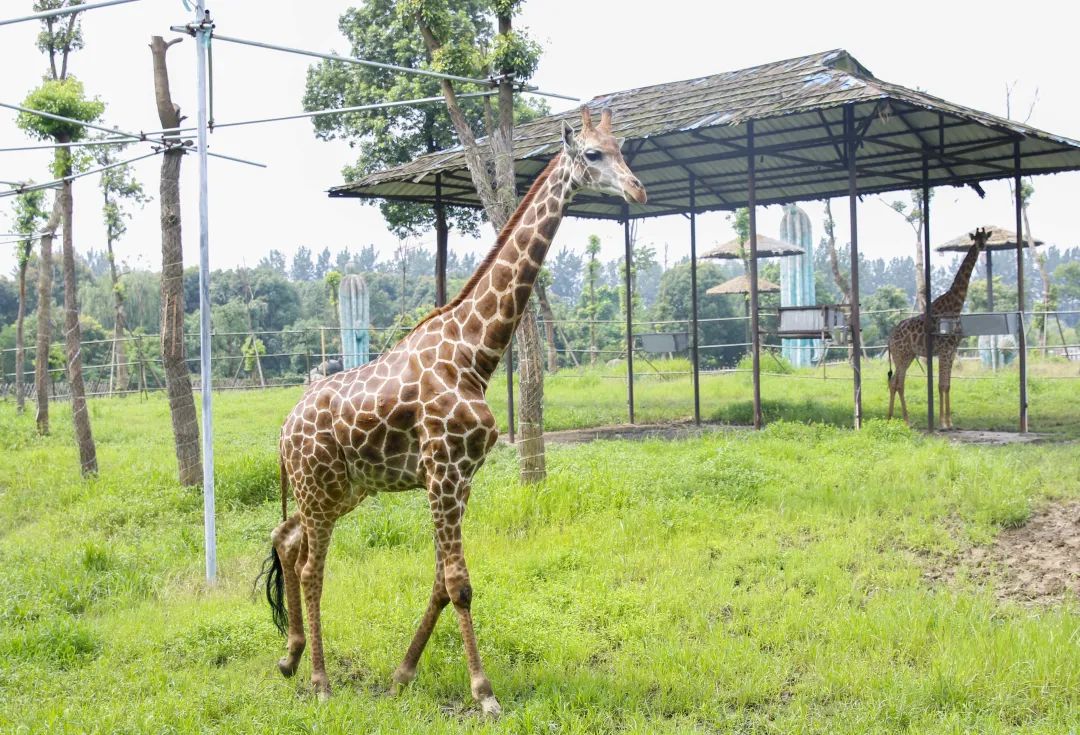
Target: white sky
{"type": "Point", "coordinates": [962, 51]}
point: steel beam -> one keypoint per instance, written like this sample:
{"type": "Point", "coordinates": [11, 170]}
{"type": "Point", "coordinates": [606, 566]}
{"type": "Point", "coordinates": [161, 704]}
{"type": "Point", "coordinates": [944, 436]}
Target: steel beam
{"type": "Point", "coordinates": [755, 336]}
{"type": "Point", "coordinates": [629, 255]}
{"type": "Point", "coordinates": [1021, 341]}
{"type": "Point", "coordinates": [694, 362]}
{"type": "Point", "coordinates": [853, 213]}
{"type": "Point", "coordinates": [927, 315]}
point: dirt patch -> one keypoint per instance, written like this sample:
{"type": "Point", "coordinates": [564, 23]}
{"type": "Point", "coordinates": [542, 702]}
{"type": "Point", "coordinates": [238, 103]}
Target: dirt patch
{"type": "Point", "coordinates": [640, 432]}
{"type": "Point", "coordinates": [1036, 563]}
{"type": "Point", "coordinates": [990, 438]}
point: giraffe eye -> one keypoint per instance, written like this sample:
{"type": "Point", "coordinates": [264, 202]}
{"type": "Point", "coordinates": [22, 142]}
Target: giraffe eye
{"type": "Point", "coordinates": [593, 155]}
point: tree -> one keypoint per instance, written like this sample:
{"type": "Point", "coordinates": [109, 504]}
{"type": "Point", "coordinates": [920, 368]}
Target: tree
{"type": "Point", "coordinates": [177, 379]}
{"type": "Point", "coordinates": [117, 184]}
{"type": "Point", "coordinates": [274, 260]}
{"type": "Point", "coordinates": [567, 275]}
{"type": "Point", "coordinates": [834, 260]}
{"type": "Point", "coordinates": [322, 265]}
{"type": "Point", "coordinates": [593, 273]}
{"type": "Point", "coordinates": [28, 215]}
{"type": "Point", "coordinates": [302, 267]}
{"type": "Point", "coordinates": [66, 97]}
{"type": "Point", "coordinates": [913, 215]}
{"type": "Point", "coordinates": [456, 44]}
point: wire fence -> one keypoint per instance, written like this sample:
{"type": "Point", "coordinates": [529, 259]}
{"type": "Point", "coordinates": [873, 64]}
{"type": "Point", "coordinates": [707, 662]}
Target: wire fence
{"type": "Point", "coordinates": [263, 359]}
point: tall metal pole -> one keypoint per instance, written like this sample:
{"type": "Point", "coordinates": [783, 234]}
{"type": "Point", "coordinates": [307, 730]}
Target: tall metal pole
{"type": "Point", "coordinates": [629, 316]}
{"type": "Point", "coordinates": [990, 304]}
{"type": "Point", "coordinates": [853, 209]}
{"type": "Point", "coordinates": [202, 38]}
{"type": "Point", "coordinates": [755, 331]}
{"type": "Point", "coordinates": [694, 301]}
{"type": "Point", "coordinates": [928, 322]}
{"type": "Point", "coordinates": [1021, 339]}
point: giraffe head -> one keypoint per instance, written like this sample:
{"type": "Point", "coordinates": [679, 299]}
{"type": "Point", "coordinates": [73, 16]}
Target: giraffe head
{"type": "Point", "coordinates": [596, 161]}
{"type": "Point", "coordinates": [979, 238]}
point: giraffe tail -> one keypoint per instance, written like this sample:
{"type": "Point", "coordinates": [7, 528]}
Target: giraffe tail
{"type": "Point", "coordinates": [888, 353]}
{"type": "Point", "coordinates": [271, 568]}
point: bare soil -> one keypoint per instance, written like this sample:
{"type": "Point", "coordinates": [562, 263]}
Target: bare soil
{"type": "Point", "coordinates": [1037, 563]}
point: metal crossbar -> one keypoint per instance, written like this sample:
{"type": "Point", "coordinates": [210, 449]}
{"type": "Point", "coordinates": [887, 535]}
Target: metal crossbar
{"type": "Point", "coordinates": [64, 11]}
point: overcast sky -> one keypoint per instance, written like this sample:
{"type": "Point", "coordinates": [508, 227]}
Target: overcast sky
{"type": "Point", "coordinates": [966, 52]}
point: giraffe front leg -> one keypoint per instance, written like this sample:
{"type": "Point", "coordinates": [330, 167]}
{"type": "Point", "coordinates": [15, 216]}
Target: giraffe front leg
{"type": "Point", "coordinates": [448, 499]}
{"type": "Point", "coordinates": [291, 543]}
{"type": "Point", "coordinates": [406, 671]}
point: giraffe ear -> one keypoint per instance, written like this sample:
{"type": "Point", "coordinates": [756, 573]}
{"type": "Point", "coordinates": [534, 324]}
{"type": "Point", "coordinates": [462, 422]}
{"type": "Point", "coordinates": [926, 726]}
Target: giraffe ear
{"type": "Point", "coordinates": [569, 142]}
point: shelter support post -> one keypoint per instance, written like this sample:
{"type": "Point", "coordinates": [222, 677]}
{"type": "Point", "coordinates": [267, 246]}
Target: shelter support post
{"type": "Point", "coordinates": [1021, 337]}
{"type": "Point", "coordinates": [928, 321]}
{"type": "Point", "coordinates": [442, 232]}
{"type": "Point", "coordinates": [695, 370]}
{"type": "Point", "coordinates": [853, 206]}
{"type": "Point", "coordinates": [990, 304]}
{"type": "Point", "coordinates": [629, 316]}
{"type": "Point", "coordinates": [209, 536]}
{"type": "Point", "coordinates": [755, 330]}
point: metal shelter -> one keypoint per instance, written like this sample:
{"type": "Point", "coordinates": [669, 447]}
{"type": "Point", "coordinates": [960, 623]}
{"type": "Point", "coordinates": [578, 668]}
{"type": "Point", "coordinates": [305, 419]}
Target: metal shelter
{"type": "Point", "coordinates": [807, 128]}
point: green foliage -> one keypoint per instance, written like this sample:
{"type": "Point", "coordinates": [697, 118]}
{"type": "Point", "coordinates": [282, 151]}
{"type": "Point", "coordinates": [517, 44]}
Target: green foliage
{"type": "Point", "coordinates": [333, 285]}
{"type": "Point", "coordinates": [65, 97]}
{"type": "Point", "coordinates": [29, 214]}
{"type": "Point", "coordinates": [515, 53]}
{"type": "Point", "coordinates": [252, 349]}
{"type": "Point", "coordinates": [1067, 276]}
{"type": "Point", "coordinates": [385, 30]}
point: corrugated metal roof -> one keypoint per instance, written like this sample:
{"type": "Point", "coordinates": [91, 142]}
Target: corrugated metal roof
{"type": "Point", "coordinates": [699, 126]}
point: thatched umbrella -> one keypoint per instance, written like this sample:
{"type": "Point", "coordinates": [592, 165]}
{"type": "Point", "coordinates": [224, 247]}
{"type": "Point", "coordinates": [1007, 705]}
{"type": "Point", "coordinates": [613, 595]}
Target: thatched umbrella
{"type": "Point", "coordinates": [1000, 239]}
{"type": "Point", "coordinates": [741, 284]}
{"type": "Point", "coordinates": [767, 247]}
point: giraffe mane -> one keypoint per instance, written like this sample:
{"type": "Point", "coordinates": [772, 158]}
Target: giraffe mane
{"type": "Point", "coordinates": [489, 259]}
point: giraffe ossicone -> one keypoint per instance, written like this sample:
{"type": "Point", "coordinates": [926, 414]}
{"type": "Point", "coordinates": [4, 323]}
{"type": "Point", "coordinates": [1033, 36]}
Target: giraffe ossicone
{"type": "Point", "coordinates": [416, 417]}
{"type": "Point", "coordinates": [908, 338]}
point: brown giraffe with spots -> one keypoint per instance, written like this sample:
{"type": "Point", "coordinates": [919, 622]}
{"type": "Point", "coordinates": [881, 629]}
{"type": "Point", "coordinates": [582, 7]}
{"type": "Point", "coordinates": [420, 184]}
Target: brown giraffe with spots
{"type": "Point", "coordinates": [908, 338]}
{"type": "Point", "coordinates": [416, 417]}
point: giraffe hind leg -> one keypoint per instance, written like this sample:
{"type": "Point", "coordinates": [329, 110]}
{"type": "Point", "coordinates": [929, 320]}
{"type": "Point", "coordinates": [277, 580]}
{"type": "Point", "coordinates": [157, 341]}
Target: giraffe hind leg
{"type": "Point", "coordinates": [289, 552]}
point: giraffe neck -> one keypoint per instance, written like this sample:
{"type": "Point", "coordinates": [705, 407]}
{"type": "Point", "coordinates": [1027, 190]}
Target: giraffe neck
{"type": "Point", "coordinates": [490, 306]}
{"type": "Point", "coordinates": [952, 301]}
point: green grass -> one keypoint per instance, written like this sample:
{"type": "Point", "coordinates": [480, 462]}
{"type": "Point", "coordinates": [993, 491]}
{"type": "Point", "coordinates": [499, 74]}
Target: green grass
{"type": "Point", "coordinates": [739, 582]}
{"type": "Point", "coordinates": [981, 399]}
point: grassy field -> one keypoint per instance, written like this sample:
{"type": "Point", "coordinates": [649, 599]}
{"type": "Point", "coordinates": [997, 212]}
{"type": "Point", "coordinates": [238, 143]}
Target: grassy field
{"type": "Point", "coordinates": [739, 582]}
{"type": "Point", "coordinates": [981, 399]}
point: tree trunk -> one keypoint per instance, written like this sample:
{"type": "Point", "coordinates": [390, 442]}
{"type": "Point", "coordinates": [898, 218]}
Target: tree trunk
{"type": "Point", "coordinates": [1044, 276]}
{"type": "Point", "coordinates": [44, 320]}
{"type": "Point", "coordinates": [498, 194]}
{"type": "Point", "coordinates": [920, 284]}
{"type": "Point", "coordinates": [177, 379]}
{"type": "Point", "coordinates": [549, 327]}
{"type": "Point", "coordinates": [834, 260]}
{"type": "Point", "coordinates": [73, 341]}
{"type": "Point", "coordinates": [531, 409]}
{"type": "Point", "coordinates": [119, 358]}
{"type": "Point", "coordinates": [20, 346]}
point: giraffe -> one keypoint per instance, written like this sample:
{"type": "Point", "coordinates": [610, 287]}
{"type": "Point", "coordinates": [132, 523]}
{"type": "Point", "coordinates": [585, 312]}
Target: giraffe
{"type": "Point", "coordinates": [416, 418]}
{"type": "Point", "coordinates": [908, 338]}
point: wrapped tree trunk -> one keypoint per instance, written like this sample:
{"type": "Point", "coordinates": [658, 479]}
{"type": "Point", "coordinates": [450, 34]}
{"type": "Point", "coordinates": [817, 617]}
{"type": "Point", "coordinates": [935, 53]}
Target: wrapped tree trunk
{"type": "Point", "coordinates": [549, 324]}
{"type": "Point", "coordinates": [531, 411]}
{"type": "Point", "coordinates": [177, 378]}
{"type": "Point", "coordinates": [119, 359]}
{"type": "Point", "coordinates": [73, 338]}
{"type": "Point", "coordinates": [20, 346]}
{"type": "Point", "coordinates": [44, 320]}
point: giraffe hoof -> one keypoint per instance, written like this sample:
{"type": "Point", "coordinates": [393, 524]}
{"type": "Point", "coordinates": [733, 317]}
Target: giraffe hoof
{"type": "Point", "coordinates": [490, 706]}
{"type": "Point", "coordinates": [287, 666]}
